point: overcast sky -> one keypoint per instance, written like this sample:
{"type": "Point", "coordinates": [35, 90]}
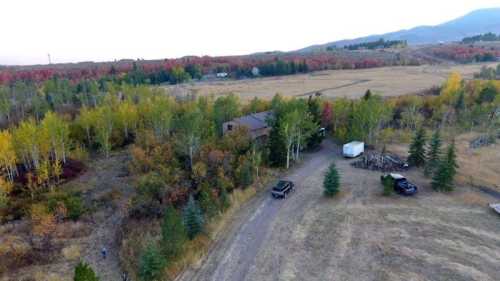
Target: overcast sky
{"type": "Point", "coordinates": [97, 30]}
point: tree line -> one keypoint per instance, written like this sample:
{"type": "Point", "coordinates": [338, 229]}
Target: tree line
{"type": "Point", "coordinates": [486, 37]}
{"type": "Point", "coordinates": [378, 44]}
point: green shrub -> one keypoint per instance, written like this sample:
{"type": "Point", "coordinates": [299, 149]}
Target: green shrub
{"type": "Point", "coordinates": [151, 185]}
{"type": "Point", "coordinates": [208, 202]}
{"type": "Point", "coordinates": [173, 233]}
{"type": "Point", "coordinates": [388, 184]}
{"type": "Point", "coordinates": [72, 202]}
{"type": "Point", "coordinates": [75, 207]}
{"type": "Point", "coordinates": [151, 190]}
{"type": "Point", "coordinates": [83, 272]}
{"type": "Point", "coordinates": [151, 264]}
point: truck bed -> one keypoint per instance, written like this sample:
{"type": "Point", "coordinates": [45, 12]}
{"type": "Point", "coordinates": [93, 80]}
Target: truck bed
{"type": "Point", "coordinates": [496, 207]}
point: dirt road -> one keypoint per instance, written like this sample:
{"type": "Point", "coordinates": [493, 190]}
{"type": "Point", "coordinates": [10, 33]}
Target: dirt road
{"type": "Point", "coordinates": [359, 235]}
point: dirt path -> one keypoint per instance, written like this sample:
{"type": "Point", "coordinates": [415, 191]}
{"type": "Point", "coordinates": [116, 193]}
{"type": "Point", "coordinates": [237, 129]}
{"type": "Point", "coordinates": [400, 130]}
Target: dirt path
{"type": "Point", "coordinates": [111, 181]}
{"type": "Point", "coordinates": [359, 235]}
{"type": "Point", "coordinates": [335, 88]}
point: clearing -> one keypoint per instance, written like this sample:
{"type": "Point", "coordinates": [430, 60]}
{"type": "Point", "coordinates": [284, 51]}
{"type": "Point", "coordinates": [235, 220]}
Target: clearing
{"type": "Point", "coordinates": [387, 81]}
{"type": "Point", "coordinates": [107, 189]}
{"type": "Point", "coordinates": [359, 235]}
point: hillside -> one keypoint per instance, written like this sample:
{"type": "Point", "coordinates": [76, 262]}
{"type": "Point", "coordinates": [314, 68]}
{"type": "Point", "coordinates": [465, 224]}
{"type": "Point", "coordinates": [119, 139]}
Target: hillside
{"type": "Point", "coordinates": [475, 22]}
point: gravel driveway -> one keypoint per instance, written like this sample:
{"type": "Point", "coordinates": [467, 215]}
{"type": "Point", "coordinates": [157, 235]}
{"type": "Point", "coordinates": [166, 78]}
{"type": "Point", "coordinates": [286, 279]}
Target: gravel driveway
{"type": "Point", "coordinates": [359, 235]}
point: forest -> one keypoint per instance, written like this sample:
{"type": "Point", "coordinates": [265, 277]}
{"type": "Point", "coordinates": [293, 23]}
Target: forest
{"type": "Point", "coordinates": [175, 71]}
{"type": "Point", "coordinates": [487, 37]}
{"type": "Point", "coordinates": [465, 54]}
{"type": "Point", "coordinates": [184, 167]}
{"type": "Point", "coordinates": [378, 44]}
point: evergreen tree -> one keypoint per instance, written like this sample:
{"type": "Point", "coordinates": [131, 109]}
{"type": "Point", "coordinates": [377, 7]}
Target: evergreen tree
{"type": "Point", "coordinates": [224, 200]}
{"type": "Point", "coordinates": [368, 95]}
{"type": "Point", "coordinates": [173, 233]}
{"type": "Point", "coordinates": [314, 109]}
{"type": "Point", "coordinates": [446, 171]}
{"type": "Point", "coordinates": [151, 264]}
{"type": "Point", "coordinates": [332, 181]}
{"type": "Point", "coordinates": [433, 154]}
{"type": "Point", "coordinates": [245, 174]}
{"type": "Point", "coordinates": [83, 272]}
{"type": "Point", "coordinates": [277, 145]}
{"type": "Point", "coordinates": [417, 149]}
{"type": "Point", "coordinates": [193, 218]}
{"type": "Point", "coordinates": [460, 103]}
{"type": "Point", "coordinates": [208, 203]}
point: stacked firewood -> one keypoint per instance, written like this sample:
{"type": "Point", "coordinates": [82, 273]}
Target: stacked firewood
{"type": "Point", "coordinates": [380, 162]}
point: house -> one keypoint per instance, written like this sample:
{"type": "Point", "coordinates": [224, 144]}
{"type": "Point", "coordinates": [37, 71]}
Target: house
{"type": "Point", "coordinates": [255, 123]}
{"type": "Point", "coordinates": [221, 74]}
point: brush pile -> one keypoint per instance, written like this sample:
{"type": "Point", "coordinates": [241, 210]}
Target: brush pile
{"type": "Point", "coordinates": [381, 162]}
{"type": "Point", "coordinates": [482, 140]}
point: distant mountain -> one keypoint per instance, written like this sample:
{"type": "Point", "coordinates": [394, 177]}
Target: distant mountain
{"type": "Point", "coordinates": [474, 23]}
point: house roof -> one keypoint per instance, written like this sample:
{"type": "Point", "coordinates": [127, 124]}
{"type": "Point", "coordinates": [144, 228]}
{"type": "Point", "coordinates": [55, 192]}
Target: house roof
{"type": "Point", "coordinates": [254, 121]}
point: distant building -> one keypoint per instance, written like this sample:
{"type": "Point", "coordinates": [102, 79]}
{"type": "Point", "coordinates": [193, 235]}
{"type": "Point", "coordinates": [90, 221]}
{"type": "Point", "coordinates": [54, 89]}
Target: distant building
{"type": "Point", "coordinates": [255, 71]}
{"type": "Point", "coordinates": [255, 123]}
{"type": "Point", "coordinates": [221, 74]}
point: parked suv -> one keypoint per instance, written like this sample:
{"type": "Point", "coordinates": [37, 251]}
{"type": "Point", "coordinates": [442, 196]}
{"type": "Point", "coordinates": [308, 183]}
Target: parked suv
{"type": "Point", "coordinates": [282, 189]}
{"type": "Point", "coordinates": [400, 184]}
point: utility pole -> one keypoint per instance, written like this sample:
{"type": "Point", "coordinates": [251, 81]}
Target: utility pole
{"type": "Point", "coordinates": [50, 62]}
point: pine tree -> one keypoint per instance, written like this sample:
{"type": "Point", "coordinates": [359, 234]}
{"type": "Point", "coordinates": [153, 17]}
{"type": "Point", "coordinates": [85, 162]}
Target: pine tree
{"type": "Point", "coordinates": [433, 154]}
{"type": "Point", "coordinates": [332, 181]}
{"type": "Point", "coordinates": [277, 145]}
{"type": "Point", "coordinates": [417, 149]}
{"type": "Point", "coordinates": [193, 218]}
{"type": "Point", "coordinates": [173, 233]}
{"type": "Point", "coordinates": [83, 272]}
{"type": "Point", "coordinates": [446, 171]}
{"type": "Point", "coordinates": [151, 264]}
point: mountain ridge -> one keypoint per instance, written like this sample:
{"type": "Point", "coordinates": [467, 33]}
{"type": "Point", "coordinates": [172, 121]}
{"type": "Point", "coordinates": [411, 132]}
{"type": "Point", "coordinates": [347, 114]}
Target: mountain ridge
{"type": "Point", "coordinates": [473, 23]}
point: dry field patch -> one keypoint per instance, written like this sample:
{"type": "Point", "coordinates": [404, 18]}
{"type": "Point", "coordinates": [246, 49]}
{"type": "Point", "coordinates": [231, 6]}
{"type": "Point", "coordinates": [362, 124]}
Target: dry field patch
{"type": "Point", "coordinates": [387, 81]}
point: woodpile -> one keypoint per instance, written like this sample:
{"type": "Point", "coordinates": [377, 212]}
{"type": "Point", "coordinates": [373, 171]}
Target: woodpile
{"type": "Point", "coordinates": [482, 140]}
{"type": "Point", "coordinates": [381, 162]}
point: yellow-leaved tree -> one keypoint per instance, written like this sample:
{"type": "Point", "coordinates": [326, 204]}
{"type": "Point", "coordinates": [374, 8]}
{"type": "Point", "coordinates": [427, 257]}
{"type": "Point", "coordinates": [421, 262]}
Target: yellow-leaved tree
{"type": "Point", "coordinates": [57, 132]}
{"type": "Point", "coordinates": [451, 87]}
{"type": "Point", "coordinates": [7, 155]}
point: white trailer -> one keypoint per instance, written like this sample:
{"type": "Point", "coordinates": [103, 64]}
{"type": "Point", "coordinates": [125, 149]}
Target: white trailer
{"type": "Point", "coordinates": [353, 149]}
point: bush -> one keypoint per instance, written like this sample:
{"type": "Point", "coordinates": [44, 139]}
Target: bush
{"type": "Point", "coordinates": [332, 181]}
{"type": "Point", "coordinates": [208, 202]}
{"type": "Point", "coordinates": [388, 185]}
{"type": "Point", "coordinates": [173, 233]}
{"type": "Point", "coordinates": [83, 272]}
{"type": "Point", "coordinates": [245, 173]}
{"type": "Point", "coordinates": [193, 219]}
{"type": "Point", "coordinates": [151, 264]}
{"type": "Point", "coordinates": [151, 185]}
{"type": "Point", "coordinates": [73, 204]}
{"type": "Point", "coordinates": [151, 191]}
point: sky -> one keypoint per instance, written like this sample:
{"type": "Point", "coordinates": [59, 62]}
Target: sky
{"type": "Point", "coordinates": [105, 30]}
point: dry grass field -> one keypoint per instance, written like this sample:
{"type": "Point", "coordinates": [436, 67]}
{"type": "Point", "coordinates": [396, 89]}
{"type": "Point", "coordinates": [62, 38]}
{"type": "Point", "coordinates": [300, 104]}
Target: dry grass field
{"type": "Point", "coordinates": [387, 81]}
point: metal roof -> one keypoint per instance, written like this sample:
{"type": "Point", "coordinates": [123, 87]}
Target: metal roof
{"type": "Point", "coordinates": [254, 121]}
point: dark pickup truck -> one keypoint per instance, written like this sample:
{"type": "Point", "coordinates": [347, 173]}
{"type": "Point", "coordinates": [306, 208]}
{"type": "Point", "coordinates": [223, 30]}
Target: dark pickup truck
{"type": "Point", "coordinates": [282, 189]}
{"type": "Point", "coordinates": [400, 183]}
